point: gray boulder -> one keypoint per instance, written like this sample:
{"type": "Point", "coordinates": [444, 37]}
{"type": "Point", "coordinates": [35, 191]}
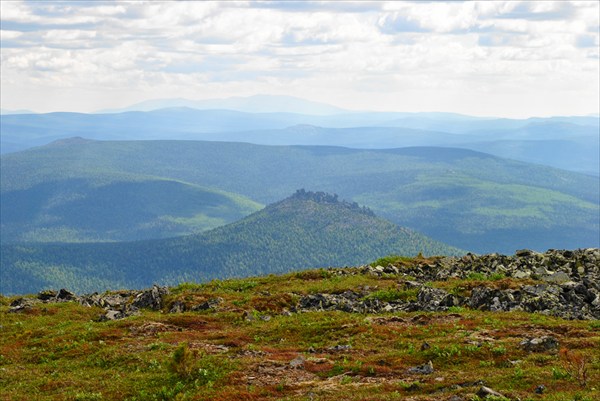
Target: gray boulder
{"type": "Point", "coordinates": [539, 344]}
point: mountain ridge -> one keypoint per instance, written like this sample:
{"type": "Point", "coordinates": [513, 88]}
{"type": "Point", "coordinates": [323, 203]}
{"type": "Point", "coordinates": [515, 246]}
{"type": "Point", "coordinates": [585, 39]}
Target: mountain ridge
{"type": "Point", "coordinates": [468, 199]}
{"type": "Point", "coordinates": [357, 130]}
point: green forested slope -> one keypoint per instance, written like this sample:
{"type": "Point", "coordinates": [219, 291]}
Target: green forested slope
{"type": "Point", "coordinates": [468, 199]}
{"type": "Point", "coordinates": [305, 230]}
{"type": "Point", "coordinates": [115, 207]}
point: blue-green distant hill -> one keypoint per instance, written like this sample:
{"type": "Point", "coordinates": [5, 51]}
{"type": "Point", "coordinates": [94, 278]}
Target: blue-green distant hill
{"type": "Point", "coordinates": [305, 230]}
{"type": "Point", "coordinates": [468, 199]}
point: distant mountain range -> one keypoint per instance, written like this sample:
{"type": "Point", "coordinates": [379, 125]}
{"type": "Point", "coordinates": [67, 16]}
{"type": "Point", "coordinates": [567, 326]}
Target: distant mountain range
{"type": "Point", "coordinates": [307, 229]}
{"type": "Point", "coordinates": [81, 190]}
{"type": "Point", "coordinates": [570, 143]}
{"type": "Point", "coordinates": [250, 104]}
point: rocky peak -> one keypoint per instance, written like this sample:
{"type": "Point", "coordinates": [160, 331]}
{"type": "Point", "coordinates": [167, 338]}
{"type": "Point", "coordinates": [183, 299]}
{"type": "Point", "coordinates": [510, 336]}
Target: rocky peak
{"type": "Point", "coordinates": [326, 198]}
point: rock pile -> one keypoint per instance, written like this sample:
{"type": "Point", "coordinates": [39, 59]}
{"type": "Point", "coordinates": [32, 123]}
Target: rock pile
{"type": "Point", "coordinates": [117, 305]}
{"type": "Point", "coordinates": [559, 283]}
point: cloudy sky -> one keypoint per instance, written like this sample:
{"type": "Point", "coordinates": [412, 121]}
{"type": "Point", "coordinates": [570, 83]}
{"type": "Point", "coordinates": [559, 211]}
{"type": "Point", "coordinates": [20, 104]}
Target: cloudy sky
{"type": "Point", "coordinates": [511, 59]}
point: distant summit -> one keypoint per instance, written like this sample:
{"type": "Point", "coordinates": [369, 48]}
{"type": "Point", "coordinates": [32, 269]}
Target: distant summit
{"type": "Point", "coordinates": [76, 140]}
{"type": "Point", "coordinates": [325, 198]}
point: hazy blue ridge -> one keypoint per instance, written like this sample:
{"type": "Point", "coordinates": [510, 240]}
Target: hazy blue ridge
{"type": "Point", "coordinates": [564, 142]}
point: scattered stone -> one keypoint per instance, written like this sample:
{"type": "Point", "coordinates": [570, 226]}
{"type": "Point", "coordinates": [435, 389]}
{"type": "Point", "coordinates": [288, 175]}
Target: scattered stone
{"type": "Point", "coordinates": [210, 304]}
{"type": "Point", "coordinates": [150, 299]}
{"type": "Point", "coordinates": [248, 316]}
{"type": "Point", "coordinates": [425, 369]}
{"type": "Point", "coordinates": [435, 298]}
{"type": "Point", "coordinates": [111, 315]}
{"type": "Point", "coordinates": [177, 307]}
{"type": "Point", "coordinates": [485, 392]}
{"type": "Point", "coordinates": [558, 278]}
{"type": "Point", "coordinates": [408, 285]}
{"type": "Point", "coordinates": [47, 295]}
{"type": "Point", "coordinates": [521, 274]}
{"type": "Point", "coordinates": [338, 348]}
{"type": "Point", "coordinates": [539, 344]}
{"type": "Point", "coordinates": [66, 295]}
{"type": "Point", "coordinates": [298, 362]}
{"type": "Point", "coordinates": [20, 305]}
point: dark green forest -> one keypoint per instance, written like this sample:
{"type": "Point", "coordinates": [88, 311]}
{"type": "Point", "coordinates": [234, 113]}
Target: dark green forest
{"type": "Point", "coordinates": [306, 230]}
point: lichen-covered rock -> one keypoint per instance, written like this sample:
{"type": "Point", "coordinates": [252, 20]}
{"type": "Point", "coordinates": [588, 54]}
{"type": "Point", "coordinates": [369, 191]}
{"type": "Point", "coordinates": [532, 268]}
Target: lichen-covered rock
{"type": "Point", "coordinates": [425, 369]}
{"type": "Point", "coordinates": [150, 299]}
{"type": "Point", "coordinates": [539, 344]}
{"type": "Point", "coordinates": [66, 295]}
{"type": "Point", "coordinates": [21, 305]}
{"type": "Point", "coordinates": [210, 304]}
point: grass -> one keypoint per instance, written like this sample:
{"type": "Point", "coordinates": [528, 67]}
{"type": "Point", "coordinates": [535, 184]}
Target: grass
{"type": "Point", "coordinates": [57, 351]}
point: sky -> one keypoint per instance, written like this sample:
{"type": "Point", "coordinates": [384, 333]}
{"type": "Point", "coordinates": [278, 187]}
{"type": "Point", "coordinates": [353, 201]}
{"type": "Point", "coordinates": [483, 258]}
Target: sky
{"type": "Point", "coordinates": [492, 58]}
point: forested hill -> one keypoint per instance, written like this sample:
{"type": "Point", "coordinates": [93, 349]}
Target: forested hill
{"type": "Point", "coordinates": [305, 230]}
{"type": "Point", "coordinates": [468, 199]}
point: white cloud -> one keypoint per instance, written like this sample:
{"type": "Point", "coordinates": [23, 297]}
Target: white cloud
{"type": "Point", "coordinates": [391, 55]}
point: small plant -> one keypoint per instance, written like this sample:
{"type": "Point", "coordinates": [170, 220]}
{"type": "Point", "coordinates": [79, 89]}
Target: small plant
{"type": "Point", "coordinates": [158, 346]}
{"type": "Point", "coordinates": [518, 373]}
{"type": "Point", "coordinates": [559, 374]}
{"type": "Point", "coordinates": [475, 276]}
{"type": "Point", "coordinates": [576, 364]}
{"type": "Point", "coordinates": [499, 350]}
{"type": "Point", "coordinates": [410, 386]}
{"type": "Point", "coordinates": [496, 276]}
{"type": "Point", "coordinates": [182, 362]}
{"type": "Point", "coordinates": [449, 353]}
{"type": "Point", "coordinates": [471, 348]}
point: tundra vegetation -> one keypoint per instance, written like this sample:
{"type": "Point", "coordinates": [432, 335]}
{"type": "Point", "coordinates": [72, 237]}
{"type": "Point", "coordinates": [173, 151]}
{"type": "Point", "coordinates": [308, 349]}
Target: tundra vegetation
{"type": "Point", "coordinates": [266, 338]}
